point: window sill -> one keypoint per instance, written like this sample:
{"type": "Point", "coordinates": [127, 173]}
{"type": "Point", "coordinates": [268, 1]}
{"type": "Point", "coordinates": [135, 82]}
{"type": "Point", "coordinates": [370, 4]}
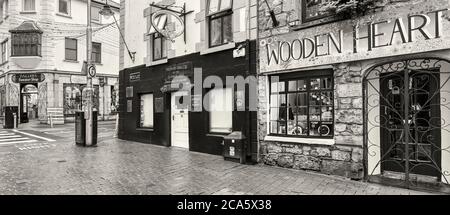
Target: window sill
{"type": "Point", "coordinates": [71, 61]}
{"type": "Point", "coordinates": [28, 12]}
{"type": "Point", "coordinates": [145, 129]}
{"type": "Point", "coordinates": [312, 141]}
{"type": "Point", "coordinates": [218, 48]}
{"type": "Point", "coordinates": [64, 15]}
{"type": "Point", "coordinates": [158, 62]}
{"type": "Point", "coordinates": [318, 22]}
{"type": "Point", "coordinates": [217, 135]}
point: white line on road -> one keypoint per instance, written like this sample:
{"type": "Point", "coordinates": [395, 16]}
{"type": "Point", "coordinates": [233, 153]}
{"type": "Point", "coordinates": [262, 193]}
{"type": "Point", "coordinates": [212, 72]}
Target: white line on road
{"type": "Point", "coordinates": [17, 142]}
{"type": "Point", "coordinates": [35, 136]}
{"type": "Point", "coordinates": [10, 136]}
{"type": "Point", "coordinates": [15, 139]}
{"type": "Point", "coordinates": [6, 134]}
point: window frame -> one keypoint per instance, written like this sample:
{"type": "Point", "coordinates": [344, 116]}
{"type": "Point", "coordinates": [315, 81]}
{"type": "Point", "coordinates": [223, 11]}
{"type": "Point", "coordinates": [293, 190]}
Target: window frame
{"type": "Point", "coordinates": [307, 76]}
{"type": "Point", "coordinates": [4, 52]}
{"type": "Point", "coordinates": [69, 7]}
{"type": "Point", "coordinates": [95, 53]}
{"type": "Point", "coordinates": [99, 15]}
{"type": "Point", "coordinates": [23, 6]}
{"type": "Point", "coordinates": [163, 46]}
{"type": "Point", "coordinates": [208, 121]}
{"type": "Point", "coordinates": [140, 95]}
{"type": "Point", "coordinates": [66, 48]}
{"type": "Point", "coordinates": [311, 19]}
{"type": "Point", "coordinates": [22, 46]}
{"type": "Point", "coordinates": [221, 16]}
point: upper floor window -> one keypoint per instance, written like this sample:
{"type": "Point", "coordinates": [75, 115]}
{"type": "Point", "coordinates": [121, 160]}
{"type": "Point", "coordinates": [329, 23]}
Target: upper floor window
{"type": "Point", "coordinates": [26, 44]}
{"type": "Point", "coordinates": [311, 10]}
{"type": "Point", "coordinates": [29, 5]}
{"type": "Point", "coordinates": [97, 52]}
{"type": "Point", "coordinates": [220, 22]}
{"type": "Point", "coordinates": [159, 49]}
{"type": "Point", "coordinates": [95, 14]}
{"type": "Point", "coordinates": [64, 7]}
{"type": "Point", "coordinates": [4, 50]}
{"type": "Point", "coordinates": [71, 49]}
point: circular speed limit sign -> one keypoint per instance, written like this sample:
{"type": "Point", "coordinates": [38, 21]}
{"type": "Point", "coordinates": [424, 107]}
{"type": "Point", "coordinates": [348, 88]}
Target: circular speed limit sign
{"type": "Point", "coordinates": [92, 71]}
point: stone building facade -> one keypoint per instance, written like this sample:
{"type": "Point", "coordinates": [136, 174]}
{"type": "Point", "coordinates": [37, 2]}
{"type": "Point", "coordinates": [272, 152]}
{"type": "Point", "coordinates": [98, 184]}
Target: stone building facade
{"type": "Point", "coordinates": [360, 54]}
{"type": "Point", "coordinates": [47, 76]}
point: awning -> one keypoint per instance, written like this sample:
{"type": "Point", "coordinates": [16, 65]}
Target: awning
{"type": "Point", "coordinates": [27, 27]}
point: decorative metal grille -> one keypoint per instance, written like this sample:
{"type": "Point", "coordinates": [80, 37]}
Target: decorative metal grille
{"type": "Point", "coordinates": [407, 121]}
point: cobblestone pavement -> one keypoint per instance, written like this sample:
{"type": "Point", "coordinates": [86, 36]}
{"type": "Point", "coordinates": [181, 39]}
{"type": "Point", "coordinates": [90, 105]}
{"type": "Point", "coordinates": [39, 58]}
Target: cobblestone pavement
{"type": "Point", "coordinates": [123, 167]}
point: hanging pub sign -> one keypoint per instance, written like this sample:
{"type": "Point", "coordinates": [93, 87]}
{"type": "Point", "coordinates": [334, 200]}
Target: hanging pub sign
{"type": "Point", "coordinates": [28, 78]}
{"type": "Point", "coordinates": [351, 40]}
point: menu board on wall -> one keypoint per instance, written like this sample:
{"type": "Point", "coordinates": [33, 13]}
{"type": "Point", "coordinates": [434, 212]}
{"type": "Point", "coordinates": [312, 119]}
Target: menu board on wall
{"type": "Point", "coordinates": [159, 105]}
{"type": "Point", "coordinates": [130, 106]}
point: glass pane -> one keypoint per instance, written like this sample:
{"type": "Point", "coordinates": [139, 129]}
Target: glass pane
{"type": "Point", "coordinates": [227, 29]}
{"type": "Point", "coordinates": [315, 84]}
{"type": "Point", "coordinates": [302, 114]}
{"type": "Point", "coordinates": [221, 110]}
{"type": "Point", "coordinates": [314, 129]}
{"type": "Point", "coordinates": [71, 44]}
{"type": "Point", "coordinates": [274, 114]}
{"type": "Point", "coordinates": [28, 5]}
{"type": "Point", "coordinates": [147, 111]}
{"type": "Point", "coordinates": [301, 85]}
{"type": "Point", "coordinates": [215, 30]}
{"type": "Point", "coordinates": [63, 6]}
{"type": "Point", "coordinates": [292, 100]}
{"type": "Point", "coordinates": [274, 100]}
{"type": "Point", "coordinates": [327, 113]}
{"type": "Point", "coordinates": [292, 86]}
{"type": "Point", "coordinates": [282, 115]}
{"type": "Point", "coordinates": [282, 100]}
{"type": "Point", "coordinates": [274, 127]}
{"type": "Point", "coordinates": [281, 128]}
{"type": "Point", "coordinates": [95, 14]}
{"type": "Point", "coordinates": [302, 128]}
{"type": "Point", "coordinates": [302, 99]}
{"type": "Point", "coordinates": [274, 87]}
{"type": "Point", "coordinates": [314, 99]}
{"type": "Point", "coordinates": [281, 86]}
{"type": "Point", "coordinates": [225, 4]}
{"type": "Point", "coordinates": [213, 6]}
{"type": "Point", "coordinates": [327, 98]}
{"type": "Point", "coordinates": [314, 113]}
{"type": "Point", "coordinates": [326, 83]}
{"type": "Point", "coordinates": [71, 54]}
{"type": "Point", "coordinates": [326, 129]}
{"type": "Point", "coordinates": [157, 49]}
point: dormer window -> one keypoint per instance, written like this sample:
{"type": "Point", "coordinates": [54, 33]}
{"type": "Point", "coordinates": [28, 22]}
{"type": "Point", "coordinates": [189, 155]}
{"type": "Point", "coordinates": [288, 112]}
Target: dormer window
{"type": "Point", "coordinates": [220, 22]}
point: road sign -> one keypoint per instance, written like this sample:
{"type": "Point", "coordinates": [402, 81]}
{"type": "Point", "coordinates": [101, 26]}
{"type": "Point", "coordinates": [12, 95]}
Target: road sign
{"type": "Point", "coordinates": [92, 71]}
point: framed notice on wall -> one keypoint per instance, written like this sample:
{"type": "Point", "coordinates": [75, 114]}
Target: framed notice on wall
{"type": "Point", "coordinates": [159, 105]}
{"type": "Point", "coordinates": [130, 106]}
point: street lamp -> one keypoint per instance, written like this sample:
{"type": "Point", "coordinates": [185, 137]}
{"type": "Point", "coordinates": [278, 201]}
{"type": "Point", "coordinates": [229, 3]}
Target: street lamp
{"type": "Point", "coordinates": [107, 11]}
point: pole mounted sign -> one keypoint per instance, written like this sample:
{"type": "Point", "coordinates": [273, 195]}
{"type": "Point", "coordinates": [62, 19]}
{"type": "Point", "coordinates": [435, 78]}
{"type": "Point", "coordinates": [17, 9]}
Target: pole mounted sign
{"type": "Point", "coordinates": [92, 71]}
{"type": "Point", "coordinates": [177, 25]}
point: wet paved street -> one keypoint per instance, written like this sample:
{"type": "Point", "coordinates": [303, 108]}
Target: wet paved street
{"type": "Point", "coordinates": [122, 167]}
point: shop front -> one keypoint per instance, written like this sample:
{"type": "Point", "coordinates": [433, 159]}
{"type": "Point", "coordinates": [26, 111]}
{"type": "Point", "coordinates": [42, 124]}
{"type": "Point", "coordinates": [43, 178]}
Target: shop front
{"type": "Point", "coordinates": [179, 104]}
{"type": "Point", "coordinates": [365, 98]}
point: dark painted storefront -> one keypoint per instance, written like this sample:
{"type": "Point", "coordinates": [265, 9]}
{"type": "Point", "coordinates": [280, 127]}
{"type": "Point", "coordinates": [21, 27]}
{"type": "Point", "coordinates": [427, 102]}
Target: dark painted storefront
{"type": "Point", "coordinates": [154, 80]}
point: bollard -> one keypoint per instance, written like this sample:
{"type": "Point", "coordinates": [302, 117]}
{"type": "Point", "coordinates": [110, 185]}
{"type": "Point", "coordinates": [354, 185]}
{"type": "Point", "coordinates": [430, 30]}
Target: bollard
{"type": "Point", "coordinates": [15, 120]}
{"type": "Point", "coordinates": [116, 132]}
{"type": "Point", "coordinates": [51, 121]}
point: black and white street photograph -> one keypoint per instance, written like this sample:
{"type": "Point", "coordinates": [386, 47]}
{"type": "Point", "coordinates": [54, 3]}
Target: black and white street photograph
{"type": "Point", "coordinates": [242, 98]}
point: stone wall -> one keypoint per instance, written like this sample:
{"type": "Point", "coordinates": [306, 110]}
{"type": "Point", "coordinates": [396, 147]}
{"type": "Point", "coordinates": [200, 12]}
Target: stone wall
{"type": "Point", "coordinates": [345, 157]}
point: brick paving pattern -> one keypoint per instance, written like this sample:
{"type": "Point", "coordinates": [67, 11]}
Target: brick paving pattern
{"type": "Point", "coordinates": [122, 167]}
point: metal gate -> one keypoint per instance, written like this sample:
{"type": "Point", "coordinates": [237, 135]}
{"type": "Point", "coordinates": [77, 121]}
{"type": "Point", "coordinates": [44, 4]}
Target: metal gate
{"type": "Point", "coordinates": [407, 122]}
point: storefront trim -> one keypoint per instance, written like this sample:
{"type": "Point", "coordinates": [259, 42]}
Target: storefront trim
{"type": "Point", "coordinates": [312, 141]}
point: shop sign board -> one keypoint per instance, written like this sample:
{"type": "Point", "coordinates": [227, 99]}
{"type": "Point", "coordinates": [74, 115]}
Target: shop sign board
{"type": "Point", "coordinates": [28, 78]}
{"type": "Point", "coordinates": [159, 105]}
{"type": "Point", "coordinates": [350, 40]}
{"type": "Point", "coordinates": [135, 76]}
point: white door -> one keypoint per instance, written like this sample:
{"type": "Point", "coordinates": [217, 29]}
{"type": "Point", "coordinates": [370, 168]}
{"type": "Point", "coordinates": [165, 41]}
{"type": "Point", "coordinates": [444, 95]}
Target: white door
{"type": "Point", "coordinates": [180, 120]}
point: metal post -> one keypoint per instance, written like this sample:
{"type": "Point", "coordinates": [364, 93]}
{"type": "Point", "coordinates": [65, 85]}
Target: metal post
{"type": "Point", "coordinates": [89, 106]}
{"type": "Point", "coordinates": [406, 131]}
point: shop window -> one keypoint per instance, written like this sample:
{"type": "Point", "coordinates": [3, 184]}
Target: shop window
{"type": "Point", "coordinates": [97, 52]}
{"type": "Point", "coordinates": [95, 14]}
{"type": "Point", "coordinates": [221, 110]}
{"type": "Point", "coordinates": [26, 44]}
{"type": "Point", "coordinates": [64, 7]}
{"type": "Point", "coordinates": [73, 98]}
{"type": "Point", "coordinates": [220, 22]}
{"type": "Point", "coordinates": [302, 107]}
{"type": "Point", "coordinates": [146, 117]}
{"type": "Point", "coordinates": [4, 47]}
{"type": "Point", "coordinates": [159, 49]}
{"type": "Point", "coordinates": [311, 10]}
{"type": "Point", "coordinates": [29, 5]}
{"type": "Point", "coordinates": [71, 49]}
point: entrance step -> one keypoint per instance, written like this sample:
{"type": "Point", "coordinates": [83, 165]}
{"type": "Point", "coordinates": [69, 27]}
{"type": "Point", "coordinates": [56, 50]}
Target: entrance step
{"type": "Point", "coordinates": [416, 182]}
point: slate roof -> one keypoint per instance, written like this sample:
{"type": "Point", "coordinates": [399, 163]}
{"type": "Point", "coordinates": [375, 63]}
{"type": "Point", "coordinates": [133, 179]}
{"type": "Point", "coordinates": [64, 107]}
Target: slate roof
{"type": "Point", "coordinates": [27, 27]}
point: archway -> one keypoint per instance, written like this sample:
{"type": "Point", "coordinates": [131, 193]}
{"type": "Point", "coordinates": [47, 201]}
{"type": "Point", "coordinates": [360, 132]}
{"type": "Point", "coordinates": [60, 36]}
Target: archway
{"type": "Point", "coordinates": [407, 122]}
{"type": "Point", "coordinates": [29, 99]}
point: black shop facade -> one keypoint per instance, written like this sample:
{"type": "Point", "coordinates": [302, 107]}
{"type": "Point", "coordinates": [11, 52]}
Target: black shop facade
{"type": "Point", "coordinates": [366, 99]}
{"type": "Point", "coordinates": [165, 104]}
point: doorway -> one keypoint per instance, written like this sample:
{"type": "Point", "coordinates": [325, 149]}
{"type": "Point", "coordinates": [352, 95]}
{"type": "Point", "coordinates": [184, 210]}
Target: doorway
{"type": "Point", "coordinates": [29, 99]}
{"type": "Point", "coordinates": [407, 106]}
{"type": "Point", "coordinates": [180, 120]}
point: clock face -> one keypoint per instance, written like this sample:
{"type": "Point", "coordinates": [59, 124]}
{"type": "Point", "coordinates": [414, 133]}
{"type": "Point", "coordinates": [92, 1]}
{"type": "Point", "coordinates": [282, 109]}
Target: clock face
{"type": "Point", "coordinates": [324, 130]}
